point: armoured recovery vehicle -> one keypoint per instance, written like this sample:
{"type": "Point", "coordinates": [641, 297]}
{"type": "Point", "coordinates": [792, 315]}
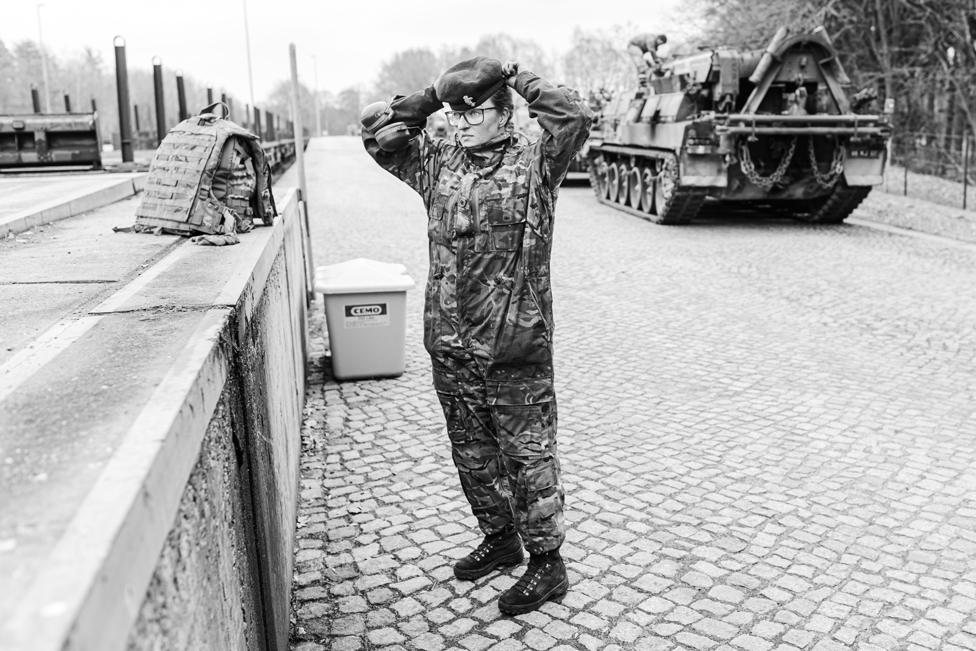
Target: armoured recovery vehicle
{"type": "Point", "coordinates": [770, 130]}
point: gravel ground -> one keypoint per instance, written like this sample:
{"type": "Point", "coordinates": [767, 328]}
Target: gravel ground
{"type": "Point", "coordinates": [936, 216]}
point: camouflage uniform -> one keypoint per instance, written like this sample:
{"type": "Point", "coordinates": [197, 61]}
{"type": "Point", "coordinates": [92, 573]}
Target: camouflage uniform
{"type": "Point", "coordinates": [646, 43]}
{"type": "Point", "coordinates": [643, 49]}
{"type": "Point", "coordinates": [488, 305]}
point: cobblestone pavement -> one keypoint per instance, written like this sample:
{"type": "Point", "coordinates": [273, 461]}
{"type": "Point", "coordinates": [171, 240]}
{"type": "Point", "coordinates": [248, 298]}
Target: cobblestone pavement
{"type": "Point", "coordinates": [766, 429]}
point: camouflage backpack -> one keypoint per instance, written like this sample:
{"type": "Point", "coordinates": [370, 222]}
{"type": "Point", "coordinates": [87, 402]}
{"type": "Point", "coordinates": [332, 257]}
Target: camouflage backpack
{"type": "Point", "coordinates": [208, 176]}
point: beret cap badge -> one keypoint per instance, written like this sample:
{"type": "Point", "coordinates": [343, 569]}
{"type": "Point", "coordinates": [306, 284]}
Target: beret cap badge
{"type": "Point", "coordinates": [468, 100]}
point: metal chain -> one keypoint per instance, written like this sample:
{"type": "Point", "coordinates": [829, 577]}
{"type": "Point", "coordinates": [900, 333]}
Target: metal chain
{"type": "Point", "coordinates": [749, 168]}
{"type": "Point", "coordinates": [829, 179]}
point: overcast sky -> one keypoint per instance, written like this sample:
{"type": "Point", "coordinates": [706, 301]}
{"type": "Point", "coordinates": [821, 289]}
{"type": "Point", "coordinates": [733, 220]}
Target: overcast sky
{"type": "Point", "coordinates": [349, 40]}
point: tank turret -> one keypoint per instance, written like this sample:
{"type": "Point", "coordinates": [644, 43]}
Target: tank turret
{"type": "Point", "coordinates": [771, 128]}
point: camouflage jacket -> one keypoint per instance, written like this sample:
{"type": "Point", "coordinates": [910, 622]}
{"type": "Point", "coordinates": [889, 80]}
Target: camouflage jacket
{"type": "Point", "coordinates": [490, 221]}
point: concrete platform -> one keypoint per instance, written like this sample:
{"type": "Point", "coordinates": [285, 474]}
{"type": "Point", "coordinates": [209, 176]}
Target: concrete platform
{"type": "Point", "coordinates": [73, 371]}
{"type": "Point", "coordinates": [33, 199]}
{"type": "Point", "coordinates": [115, 351]}
{"type": "Point", "coordinates": [64, 268]}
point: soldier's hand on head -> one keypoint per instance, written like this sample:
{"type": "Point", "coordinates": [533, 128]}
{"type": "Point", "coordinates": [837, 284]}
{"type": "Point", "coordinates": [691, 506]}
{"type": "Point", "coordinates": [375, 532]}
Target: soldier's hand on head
{"type": "Point", "coordinates": [509, 70]}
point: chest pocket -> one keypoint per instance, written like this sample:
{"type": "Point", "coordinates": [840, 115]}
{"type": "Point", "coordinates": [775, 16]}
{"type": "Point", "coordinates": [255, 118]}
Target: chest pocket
{"type": "Point", "coordinates": [502, 204]}
{"type": "Point", "coordinates": [438, 222]}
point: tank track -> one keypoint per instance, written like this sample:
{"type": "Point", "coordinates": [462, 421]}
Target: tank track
{"type": "Point", "coordinates": [594, 182]}
{"type": "Point", "coordinates": [838, 206]}
{"type": "Point", "coordinates": [689, 209]}
{"type": "Point", "coordinates": [683, 205]}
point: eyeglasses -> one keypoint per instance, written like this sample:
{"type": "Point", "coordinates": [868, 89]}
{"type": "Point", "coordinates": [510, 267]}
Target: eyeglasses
{"type": "Point", "coordinates": [473, 117]}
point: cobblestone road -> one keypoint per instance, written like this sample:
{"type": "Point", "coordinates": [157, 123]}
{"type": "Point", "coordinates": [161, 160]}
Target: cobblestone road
{"type": "Point", "coordinates": [766, 428]}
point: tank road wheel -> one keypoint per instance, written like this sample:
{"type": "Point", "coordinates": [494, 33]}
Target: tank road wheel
{"type": "Point", "coordinates": [624, 175]}
{"type": "Point", "coordinates": [636, 183]}
{"type": "Point", "coordinates": [674, 204]}
{"type": "Point", "coordinates": [647, 190]}
{"type": "Point", "coordinates": [837, 207]}
{"type": "Point", "coordinates": [613, 182]}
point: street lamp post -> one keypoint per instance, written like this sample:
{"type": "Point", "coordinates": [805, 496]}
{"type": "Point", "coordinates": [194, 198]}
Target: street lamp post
{"type": "Point", "coordinates": [247, 46]}
{"type": "Point", "coordinates": [315, 96]}
{"type": "Point", "coordinates": [40, 41]}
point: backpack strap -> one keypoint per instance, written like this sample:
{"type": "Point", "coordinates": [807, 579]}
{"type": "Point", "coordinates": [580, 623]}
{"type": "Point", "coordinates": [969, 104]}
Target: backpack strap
{"type": "Point", "coordinates": [269, 178]}
{"type": "Point", "coordinates": [209, 109]}
{"type": "Point", "coordinates": [227, 155]}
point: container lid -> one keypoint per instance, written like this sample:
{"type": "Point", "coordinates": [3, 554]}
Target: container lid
{"type": "Point", "coordinates": [362, 275]}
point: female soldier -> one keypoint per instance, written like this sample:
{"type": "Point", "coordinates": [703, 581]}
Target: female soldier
{"type": "Point", "coordinates": [488, 307]}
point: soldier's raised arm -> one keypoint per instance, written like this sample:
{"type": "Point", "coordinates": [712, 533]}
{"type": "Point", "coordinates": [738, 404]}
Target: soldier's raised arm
{"type": "Point", "coordinates": [562, 114]}
{"type": "Point", "coordinates": [394, 137]}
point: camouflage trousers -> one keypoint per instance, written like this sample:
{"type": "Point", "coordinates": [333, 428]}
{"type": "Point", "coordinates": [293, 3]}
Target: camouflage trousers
{"type": "Point", "coordinates": [505, 455]}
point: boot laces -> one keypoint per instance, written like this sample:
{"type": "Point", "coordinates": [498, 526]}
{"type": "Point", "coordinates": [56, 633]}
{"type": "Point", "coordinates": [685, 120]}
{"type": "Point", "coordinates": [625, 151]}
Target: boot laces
{"type": "Point", "coordinates": [533, 574]}
{"type": "Point", "coordinates": [486, 547]}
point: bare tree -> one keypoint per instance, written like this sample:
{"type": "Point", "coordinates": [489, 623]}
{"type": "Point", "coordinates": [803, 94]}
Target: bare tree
{"type": "Point", "coordinates": [528, 53]}
{"type": "Point", "coordinates": [597, 59]}
{"type": "Point", "coordinates": [406, 72]}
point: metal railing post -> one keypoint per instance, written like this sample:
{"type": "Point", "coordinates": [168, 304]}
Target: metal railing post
{"type": "Point", "coordinates": [160, 102]}
{"type": "Point", "coordinates": [122, 85]}
{"type": "Point", "coordinates": [904, 163]}
{"type": "Point", "coordinates": [181, 96]}
{"type": "Point", "coordinates": [965, 168]}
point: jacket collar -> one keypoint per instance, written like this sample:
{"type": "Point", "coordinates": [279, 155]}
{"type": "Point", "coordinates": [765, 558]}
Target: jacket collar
{"type": "Point", "coordinates": [490, 151]}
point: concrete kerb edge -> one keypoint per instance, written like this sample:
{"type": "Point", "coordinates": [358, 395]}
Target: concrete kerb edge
{"type": "Point", "coordinates": [94, 582]}
{"type": "Point", "coordinates": [72, 205]}
{"type": "Point", "coordinates": [907, 232]}
{"type": "Point", "coordinates": [250, 286]}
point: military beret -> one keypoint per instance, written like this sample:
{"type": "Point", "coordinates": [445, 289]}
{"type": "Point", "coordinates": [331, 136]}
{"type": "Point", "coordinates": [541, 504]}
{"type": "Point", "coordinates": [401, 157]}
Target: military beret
{"type": "Point", "coordinates": [467, 84]}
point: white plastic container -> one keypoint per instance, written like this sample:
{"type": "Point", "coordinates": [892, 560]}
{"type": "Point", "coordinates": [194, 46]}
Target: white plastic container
{"type": "Point", "coordinates": [365, 312]}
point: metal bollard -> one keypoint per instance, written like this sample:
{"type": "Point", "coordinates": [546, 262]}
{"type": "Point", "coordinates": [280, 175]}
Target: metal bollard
{"type": "Point", "coordinates": [181, 96]}
{"type": "Point", "coordinates": [67, 103]}
{"type": "Point", "coordinates": [160, 102]}
{"type": "Point", "coordinates": [122, 85]}
{"type": "Point", "coordinates": [35, 99]}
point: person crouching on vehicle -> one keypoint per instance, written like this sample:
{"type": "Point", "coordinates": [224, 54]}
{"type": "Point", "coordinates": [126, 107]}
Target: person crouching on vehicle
{"type": "Point", "coordinates": [488, 326]}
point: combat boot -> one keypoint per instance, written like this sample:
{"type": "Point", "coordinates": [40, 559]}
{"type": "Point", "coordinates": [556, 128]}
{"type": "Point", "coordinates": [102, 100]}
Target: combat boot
{"type": "Point", "coordinates": [496, 550]}
{"type": "Point", "coordinates": [544, 579]}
